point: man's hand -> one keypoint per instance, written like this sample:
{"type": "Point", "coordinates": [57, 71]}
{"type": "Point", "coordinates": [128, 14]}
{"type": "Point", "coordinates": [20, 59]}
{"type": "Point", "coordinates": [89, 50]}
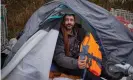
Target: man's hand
{"type": "Point", "coordinates": [82, 63]}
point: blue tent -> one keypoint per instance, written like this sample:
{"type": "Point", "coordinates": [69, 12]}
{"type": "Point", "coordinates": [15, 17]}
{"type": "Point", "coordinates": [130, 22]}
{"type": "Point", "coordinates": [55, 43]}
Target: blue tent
{"type": "Point", "coordinates": [32, 55]}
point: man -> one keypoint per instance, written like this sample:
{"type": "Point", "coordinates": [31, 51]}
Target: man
{"type": "Point", "coordinates": [68, 47]}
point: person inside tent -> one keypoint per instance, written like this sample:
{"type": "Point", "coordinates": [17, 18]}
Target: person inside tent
{"type": "Point", "coordinates": [67, 50]}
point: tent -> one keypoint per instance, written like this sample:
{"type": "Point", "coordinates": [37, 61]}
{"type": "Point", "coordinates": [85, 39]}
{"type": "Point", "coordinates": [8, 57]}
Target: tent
{"type": "Point", "coordinates": [31, 57]}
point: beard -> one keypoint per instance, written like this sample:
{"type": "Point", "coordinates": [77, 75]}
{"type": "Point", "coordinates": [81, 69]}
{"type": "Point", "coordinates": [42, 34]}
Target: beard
{"type": "Point", "coordinates": [69, 27]}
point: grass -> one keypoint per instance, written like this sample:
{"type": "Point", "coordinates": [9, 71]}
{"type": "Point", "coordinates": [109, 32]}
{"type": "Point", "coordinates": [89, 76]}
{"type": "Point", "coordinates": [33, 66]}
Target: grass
{"type": "Point", "coordinates": [18, 12]}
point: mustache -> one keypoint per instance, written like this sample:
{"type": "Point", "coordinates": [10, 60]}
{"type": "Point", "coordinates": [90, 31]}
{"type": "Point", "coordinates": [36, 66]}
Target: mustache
{"type": "Point", "coordinates": [70, 25]}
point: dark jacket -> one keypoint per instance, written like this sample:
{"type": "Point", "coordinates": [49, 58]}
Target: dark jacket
{"type": "Point", "coordinates": [69, 62]}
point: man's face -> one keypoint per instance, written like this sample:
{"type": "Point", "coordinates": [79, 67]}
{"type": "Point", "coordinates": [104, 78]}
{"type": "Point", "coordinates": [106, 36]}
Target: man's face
{"type": "Point", "coordinates": [69, 22]}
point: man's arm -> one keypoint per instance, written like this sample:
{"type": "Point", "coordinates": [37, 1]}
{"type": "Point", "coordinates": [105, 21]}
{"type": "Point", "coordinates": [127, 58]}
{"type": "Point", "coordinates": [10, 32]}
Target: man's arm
{"type": "Point", "coordinates": [61, 59]}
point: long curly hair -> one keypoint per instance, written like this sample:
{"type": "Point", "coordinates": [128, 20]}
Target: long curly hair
{"type": "Point", "coordinates": [65, 35]}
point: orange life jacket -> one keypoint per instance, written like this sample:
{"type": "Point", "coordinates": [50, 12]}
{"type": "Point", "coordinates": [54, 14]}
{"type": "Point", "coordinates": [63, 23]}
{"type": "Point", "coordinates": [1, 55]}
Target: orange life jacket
{"type": "Point", "coordinates": [94, 54]}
